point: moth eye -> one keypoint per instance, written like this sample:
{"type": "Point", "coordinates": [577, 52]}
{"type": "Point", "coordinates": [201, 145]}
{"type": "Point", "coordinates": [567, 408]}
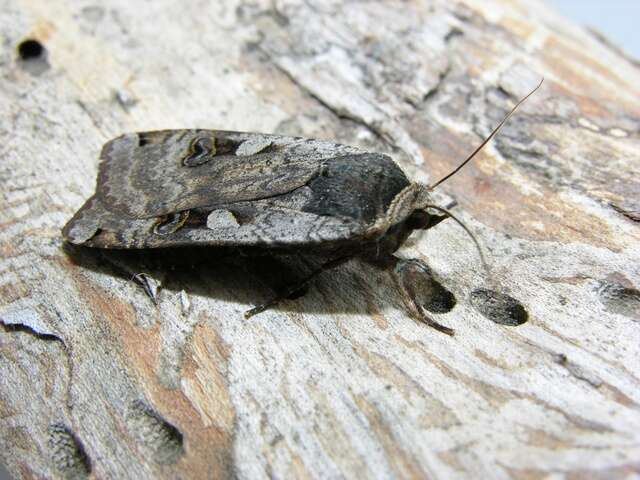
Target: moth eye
{"type": "Point", "coordinates": [171, 223]}
{"type": "Point", "coordinates": [200, 151]}
{"type": "Point", "coordinates": [417, 220]}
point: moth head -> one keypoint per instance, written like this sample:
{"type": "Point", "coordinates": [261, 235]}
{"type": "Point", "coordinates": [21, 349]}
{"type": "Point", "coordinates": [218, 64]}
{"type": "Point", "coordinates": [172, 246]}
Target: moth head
{"type": "Point", "coordinates": [422, 218]}
{"type": "Point", "coordinates": [407, 212]}
{"type": "Point", "coordinates": [416, 208]}
{"type": "Point", "coordinates": [412, 209]}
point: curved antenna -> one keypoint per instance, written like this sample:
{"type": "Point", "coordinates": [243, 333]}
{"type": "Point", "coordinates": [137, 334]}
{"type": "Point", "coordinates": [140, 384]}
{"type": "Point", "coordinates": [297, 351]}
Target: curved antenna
{"type": "Point", "coordinates": [466, 229]}
{"type": "Point", "coordinates": [486, 140]}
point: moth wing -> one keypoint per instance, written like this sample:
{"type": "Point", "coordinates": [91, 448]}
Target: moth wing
{"type": "Point", "coordinates": [269, 226]}
{"type": "Point", "coordinates": [149, 174]}
{"type": "Point", "coordinates": [312, 193]}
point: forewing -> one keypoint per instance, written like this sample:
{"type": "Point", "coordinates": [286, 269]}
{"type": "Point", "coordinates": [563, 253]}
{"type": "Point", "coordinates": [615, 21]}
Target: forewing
{"type": "Point", "coordinates": [256, 190]}
{"type": "Point", "coordinates": [149, 174]}
{"type": "Point", "coordinates": [246, 224]}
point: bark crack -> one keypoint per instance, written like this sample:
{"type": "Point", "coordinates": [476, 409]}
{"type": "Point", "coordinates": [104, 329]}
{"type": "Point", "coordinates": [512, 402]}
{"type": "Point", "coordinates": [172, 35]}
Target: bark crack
{"type": "Point", "coordinates": [21, 327]}
{"type": "Point", "coordinates": [633, 215]}
{"type": "Point", "coordinates": [46, 337]}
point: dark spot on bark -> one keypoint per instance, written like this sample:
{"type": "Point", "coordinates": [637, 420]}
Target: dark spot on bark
{"type": "Point", "coordinates": [30, 49]}
{"type": "Point", "coordinates": [429, 292]}
{"type": "Point", "coordinates": [441, 300]}
{"type": "Point", "coordinates": [251, 47]}
{"type": "Point", "coordinates": [453, 33]}
{"type": "Point", "coordinates": [33, 56]}
{"type": "Point", "coordinates": [437, 299]}
{"type": "Point", "coordinates": [162, 440]}
{"type": "Point", "coordinates": [621, 300]}
{"type": "Point", "coordinates": [67, 453]}
{"type": "Point", "coordinates": [499, 307]}
{"type": "Point", "coordinates": [561, 359]}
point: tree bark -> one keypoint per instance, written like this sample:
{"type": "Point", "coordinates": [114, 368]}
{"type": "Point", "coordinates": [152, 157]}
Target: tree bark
{"type": "Point", "coordinates": [99, 380]}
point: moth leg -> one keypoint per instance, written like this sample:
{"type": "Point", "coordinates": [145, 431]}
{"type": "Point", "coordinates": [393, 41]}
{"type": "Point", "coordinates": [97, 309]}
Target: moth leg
{"type": "Point", "coordinates": [295, 288]}
{"type": "Point", "coordinates": [405, 271]}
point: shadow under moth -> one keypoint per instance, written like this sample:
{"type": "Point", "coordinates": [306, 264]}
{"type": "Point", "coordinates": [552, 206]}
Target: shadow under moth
{"type": "Point", "coordinates": [271, 193]}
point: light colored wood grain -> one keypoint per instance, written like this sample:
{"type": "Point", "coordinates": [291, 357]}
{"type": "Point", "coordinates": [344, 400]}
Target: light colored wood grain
{"type": "Point", "coordinates": [97, 380]}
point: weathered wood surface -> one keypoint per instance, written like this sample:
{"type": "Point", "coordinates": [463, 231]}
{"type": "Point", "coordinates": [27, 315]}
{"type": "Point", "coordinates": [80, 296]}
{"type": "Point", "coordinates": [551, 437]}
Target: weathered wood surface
{"type": "Point", "coordinates": [97, 380]}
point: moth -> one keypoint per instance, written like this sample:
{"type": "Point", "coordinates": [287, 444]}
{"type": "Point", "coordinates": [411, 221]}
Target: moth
{"type": "Point", "coordinates": [274, 193]}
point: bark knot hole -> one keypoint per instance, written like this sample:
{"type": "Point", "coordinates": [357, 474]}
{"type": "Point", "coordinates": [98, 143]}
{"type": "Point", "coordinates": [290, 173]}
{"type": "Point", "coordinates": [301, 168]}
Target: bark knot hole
{"type": "Point", "coordinates": [430, 293]}
{"type": "Point", "coordinates": [32, 57]}
{"type": "Point", "coordinates": [159, 438]}
{"type": "Point", "coordinates": [67, 453]}
{"type": "Point", "coordinates": [621, 300]}
{"type": "Point", "coordinates": [499, 307]}
{"type": "Point", "coordinates": [437, 298]}
{"type": "Point", "coordinates": [30, 49]}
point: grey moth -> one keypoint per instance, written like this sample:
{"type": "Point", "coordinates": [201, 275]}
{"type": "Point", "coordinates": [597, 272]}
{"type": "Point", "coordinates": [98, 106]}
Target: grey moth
{"type": "Point", "coordinates": [270, 193]}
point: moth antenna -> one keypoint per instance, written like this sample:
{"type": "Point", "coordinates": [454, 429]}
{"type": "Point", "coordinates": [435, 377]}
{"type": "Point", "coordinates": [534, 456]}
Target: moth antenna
{"type": "Point", "coordinates": [485, 265]}
{"type": "Point", "coordinates": [486, 140]}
